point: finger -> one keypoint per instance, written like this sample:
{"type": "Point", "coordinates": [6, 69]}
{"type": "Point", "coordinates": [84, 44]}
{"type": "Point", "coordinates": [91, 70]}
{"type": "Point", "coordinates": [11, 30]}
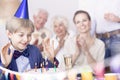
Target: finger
{"type": "Point", "coordinates": [43, 43]}
{"type": "Point", "coordinates": [35, 42]}
{"type": "Point", "coordinates": [63, 41]}
{"type": "Point", "coordinates": [11, 54]}
{"type": "Point", "coordinates": [82, 41]}
{"type": "Point", "coordinates": [52, 43]}
{"type": "Point", "coordinates": [53, 47]}
{"type": "Point", "coordinates": [48, 41]}
{"type": "Point", "coordinates": [106, 16]}
{"type": "Point", "coordinates": [5, 49]}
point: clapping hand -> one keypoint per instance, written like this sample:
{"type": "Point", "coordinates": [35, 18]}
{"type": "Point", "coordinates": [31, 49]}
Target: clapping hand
{"type": "Point", "coordinates": [49, 49]}
{"type": "Point", "coordinates": [6, 55]}
{"type": "Point", "coordinates": [81, 42]}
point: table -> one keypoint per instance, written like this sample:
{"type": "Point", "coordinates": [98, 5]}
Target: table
{"type": "Point", "coordinates": [50, 74]}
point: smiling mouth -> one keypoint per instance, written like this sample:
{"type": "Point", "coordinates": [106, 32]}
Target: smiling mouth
{"type": "Point", "coordinates": [23, 44]}
{"type": "Point", "coordinates": [83, 26]}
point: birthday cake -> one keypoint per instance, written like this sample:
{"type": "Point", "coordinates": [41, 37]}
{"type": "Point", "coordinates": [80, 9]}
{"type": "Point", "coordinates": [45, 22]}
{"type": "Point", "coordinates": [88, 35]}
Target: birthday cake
{"type": "Point", "coordinates": [36, 74]}
{"type": "Point", "coordinates": [50, 74]}
{"type": "Point", "coordinates": [44, 70]}
{"type": "Point", "coordinates": [43, 74]}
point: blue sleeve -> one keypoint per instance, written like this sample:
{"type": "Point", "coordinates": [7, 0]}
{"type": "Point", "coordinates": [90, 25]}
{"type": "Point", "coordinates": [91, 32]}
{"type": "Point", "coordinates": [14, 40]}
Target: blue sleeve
{"type": "Point", "coordinates": [36, 56]}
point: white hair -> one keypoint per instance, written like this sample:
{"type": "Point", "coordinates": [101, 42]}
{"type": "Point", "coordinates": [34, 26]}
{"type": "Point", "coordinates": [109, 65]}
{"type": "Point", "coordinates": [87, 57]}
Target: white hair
{"type": "Point", "coordinates": [40, 10]}
{"type": "Point", "coordinates": [60, 19]}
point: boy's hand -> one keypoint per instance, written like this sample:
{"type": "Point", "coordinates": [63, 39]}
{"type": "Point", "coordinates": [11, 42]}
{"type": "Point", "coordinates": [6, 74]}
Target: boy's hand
{"type": "Point", "coordinates": [6, 55]}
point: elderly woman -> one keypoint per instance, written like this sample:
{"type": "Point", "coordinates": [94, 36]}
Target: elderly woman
{"type": "Point", "coordinates": [90, 50]}
{"type": "Point", "coordinates": [62, 39]}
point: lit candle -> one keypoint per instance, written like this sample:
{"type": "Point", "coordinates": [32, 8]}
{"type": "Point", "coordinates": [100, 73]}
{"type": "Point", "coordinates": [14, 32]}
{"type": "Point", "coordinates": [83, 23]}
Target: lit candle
{"type": "Point", "coordinates": [35, 67]}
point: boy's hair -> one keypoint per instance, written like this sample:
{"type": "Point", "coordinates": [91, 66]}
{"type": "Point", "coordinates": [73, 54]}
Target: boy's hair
{"type": "Point", "coordinates": [14, 24]}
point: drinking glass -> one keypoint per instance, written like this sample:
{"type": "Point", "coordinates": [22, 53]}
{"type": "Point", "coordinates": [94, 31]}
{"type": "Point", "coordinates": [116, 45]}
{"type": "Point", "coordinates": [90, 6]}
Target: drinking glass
{"type": "Point", "coordinates": [68, 61]}
{"type": "Point", "coordinates": [111, 76]}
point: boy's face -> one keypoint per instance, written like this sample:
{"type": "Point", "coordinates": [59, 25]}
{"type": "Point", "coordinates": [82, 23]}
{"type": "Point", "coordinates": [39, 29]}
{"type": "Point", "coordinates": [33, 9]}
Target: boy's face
{"type": "Point", "coordinates": [21, 38]}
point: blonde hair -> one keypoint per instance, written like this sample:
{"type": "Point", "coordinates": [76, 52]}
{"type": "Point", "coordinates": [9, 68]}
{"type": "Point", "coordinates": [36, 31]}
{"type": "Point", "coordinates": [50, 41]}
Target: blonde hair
{"type": "Point", "coordinates": [60, 19]}
{"type": "Point", "coordinates": [14, 24]}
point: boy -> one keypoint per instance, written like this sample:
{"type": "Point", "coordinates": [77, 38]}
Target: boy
{"type": "Point", "coordinates": [18, 55]}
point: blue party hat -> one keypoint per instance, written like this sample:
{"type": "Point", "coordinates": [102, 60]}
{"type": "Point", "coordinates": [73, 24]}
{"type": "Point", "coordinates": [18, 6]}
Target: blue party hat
{"type": "Point", "coordinates": [22, 11]}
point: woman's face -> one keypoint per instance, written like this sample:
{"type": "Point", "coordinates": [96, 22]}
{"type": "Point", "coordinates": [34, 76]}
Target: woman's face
{"type": "Point", "coordinates": [82, 23]}
{"type": "Point", "coordinates": [40, 20]}
{"type": "Point", "coordinates": [60, 29]}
